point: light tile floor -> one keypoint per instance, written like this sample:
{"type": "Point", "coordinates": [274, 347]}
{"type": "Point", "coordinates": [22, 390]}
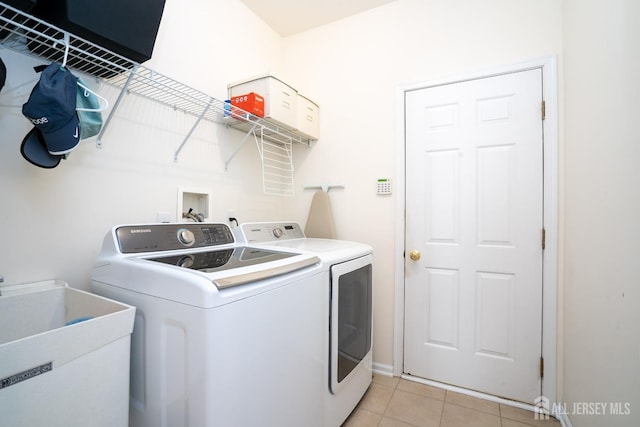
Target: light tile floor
{"type": "Point", "coordinates": [395, 402]}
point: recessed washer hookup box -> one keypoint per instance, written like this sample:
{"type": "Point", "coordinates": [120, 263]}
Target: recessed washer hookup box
{"type": "Point", "coordinates": [65, 357]}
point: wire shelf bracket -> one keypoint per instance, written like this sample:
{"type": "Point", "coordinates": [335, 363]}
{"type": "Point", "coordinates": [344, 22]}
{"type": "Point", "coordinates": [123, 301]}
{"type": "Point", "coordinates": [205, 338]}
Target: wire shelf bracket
{"type": "Point", "coordinates": [239, 145]}
{"type": "Point", "coordinates": [195, 125]}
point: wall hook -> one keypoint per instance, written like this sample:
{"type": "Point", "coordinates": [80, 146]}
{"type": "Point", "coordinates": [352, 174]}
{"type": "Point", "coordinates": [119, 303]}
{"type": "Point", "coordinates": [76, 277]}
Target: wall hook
{"type": "Point", "coordinates": [323, 187]}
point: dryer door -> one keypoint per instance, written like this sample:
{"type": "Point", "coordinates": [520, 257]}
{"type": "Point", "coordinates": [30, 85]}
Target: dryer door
{"type": "Point", "coordinates": [351, 318]}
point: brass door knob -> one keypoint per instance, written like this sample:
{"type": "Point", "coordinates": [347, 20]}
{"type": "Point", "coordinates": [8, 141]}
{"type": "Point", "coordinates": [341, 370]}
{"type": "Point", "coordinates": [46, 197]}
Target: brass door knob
{"type": "Point", "coordinates": [414, 255]}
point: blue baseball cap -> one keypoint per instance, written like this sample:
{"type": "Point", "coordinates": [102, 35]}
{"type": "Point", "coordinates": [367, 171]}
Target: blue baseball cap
{"type": "Point", "coordinates": [34, 150]}
{"type": "Point", "coordinates": [51, 108]}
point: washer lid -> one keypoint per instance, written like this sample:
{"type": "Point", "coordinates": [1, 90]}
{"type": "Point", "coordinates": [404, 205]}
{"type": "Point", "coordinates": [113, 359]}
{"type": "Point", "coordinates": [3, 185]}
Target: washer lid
{"type": "Point", "coordinates": [223, 259]}
{"type": "Point", "coordinates": [230, 260]}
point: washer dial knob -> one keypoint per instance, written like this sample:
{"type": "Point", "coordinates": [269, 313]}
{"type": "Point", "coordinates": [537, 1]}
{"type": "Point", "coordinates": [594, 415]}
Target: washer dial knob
{"type": "Point", "coordinates": [278, 232]}
{"type": "Point", "coordinates": [186, 236]}
{"type": "Point", "coordinates": [186, 261]}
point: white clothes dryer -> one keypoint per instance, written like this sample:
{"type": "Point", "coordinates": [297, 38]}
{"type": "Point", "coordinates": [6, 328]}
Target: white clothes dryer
{"type": "Point", "coordinates": [347, 305]}
{"type": "Point", "coordinates": [225, 335]}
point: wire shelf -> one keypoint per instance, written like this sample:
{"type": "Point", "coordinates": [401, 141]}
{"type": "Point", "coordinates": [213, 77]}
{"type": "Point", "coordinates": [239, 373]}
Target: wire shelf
{"type": "Point", "coordinates": [34, 37]}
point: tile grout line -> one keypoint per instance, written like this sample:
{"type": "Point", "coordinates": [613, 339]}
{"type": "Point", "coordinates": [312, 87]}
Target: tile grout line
{"type": "Point", "coordinates": [442, 410]}
{"type": "Point", "coordinates": [395, 387]}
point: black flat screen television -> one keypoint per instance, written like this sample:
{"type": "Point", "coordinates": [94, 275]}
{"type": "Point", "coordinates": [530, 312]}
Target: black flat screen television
{"type": "Point", "coordinates": [126, 27]}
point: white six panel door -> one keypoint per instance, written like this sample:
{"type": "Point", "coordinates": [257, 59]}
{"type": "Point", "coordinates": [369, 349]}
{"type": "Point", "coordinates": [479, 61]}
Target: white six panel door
{"type": "Point", "coordinates": [474, 211]}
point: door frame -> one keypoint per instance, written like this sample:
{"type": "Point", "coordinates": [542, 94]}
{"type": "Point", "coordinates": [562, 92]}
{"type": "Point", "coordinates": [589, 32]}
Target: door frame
{"type": "Point", "coordinates": [550, 213]}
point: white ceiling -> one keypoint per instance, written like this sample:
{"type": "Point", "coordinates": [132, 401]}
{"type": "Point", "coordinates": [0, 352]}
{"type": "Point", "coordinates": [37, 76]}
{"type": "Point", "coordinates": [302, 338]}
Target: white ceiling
{"type": "Point", "coordinates": [288, 17]}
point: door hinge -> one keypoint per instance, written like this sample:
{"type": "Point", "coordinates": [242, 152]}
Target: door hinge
{"type": "Point", "coordinates": [543, 109]}
{"type": "Point", "coordinates": [541, 367]}
{"type": "Point", "coordinates": [544, 238]}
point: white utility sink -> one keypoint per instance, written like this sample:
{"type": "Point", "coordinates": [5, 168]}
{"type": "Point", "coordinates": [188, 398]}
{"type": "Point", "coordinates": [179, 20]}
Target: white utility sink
{"type": "Point", "coordinates": [64, 357]}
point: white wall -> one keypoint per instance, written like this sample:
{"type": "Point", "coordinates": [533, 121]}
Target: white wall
{"type": "Point", "coordinates": [602, 207]}
{"type": "Point", "coordinates": [53, 221]}
{"type": "Point", "coordinates": [354, 68]}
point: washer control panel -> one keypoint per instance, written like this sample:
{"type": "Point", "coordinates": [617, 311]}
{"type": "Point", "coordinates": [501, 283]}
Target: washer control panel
{"type": "Point", "coordinates": [167, 237]}
{"type": "Point", "coordinates": [262, 232]}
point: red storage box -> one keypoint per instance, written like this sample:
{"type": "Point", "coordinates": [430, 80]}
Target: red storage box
{"type": "Point", "coordinates": [250, 102]}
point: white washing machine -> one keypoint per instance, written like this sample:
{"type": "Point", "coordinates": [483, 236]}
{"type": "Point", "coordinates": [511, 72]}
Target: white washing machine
{"type": "Point", "coordinates": [225, 335]}
{"type": "Point", "coordinates": [348, 309]}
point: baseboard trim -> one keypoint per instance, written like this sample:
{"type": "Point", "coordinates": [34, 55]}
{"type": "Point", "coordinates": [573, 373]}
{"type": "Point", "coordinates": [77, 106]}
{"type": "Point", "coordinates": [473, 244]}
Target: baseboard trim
{"type": "Point", "coordinates": [382, 369]}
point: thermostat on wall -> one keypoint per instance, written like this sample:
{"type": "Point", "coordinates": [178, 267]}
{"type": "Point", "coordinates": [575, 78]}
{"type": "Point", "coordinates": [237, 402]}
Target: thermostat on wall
{"type": "Point", "coordinates": [384, 186]}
